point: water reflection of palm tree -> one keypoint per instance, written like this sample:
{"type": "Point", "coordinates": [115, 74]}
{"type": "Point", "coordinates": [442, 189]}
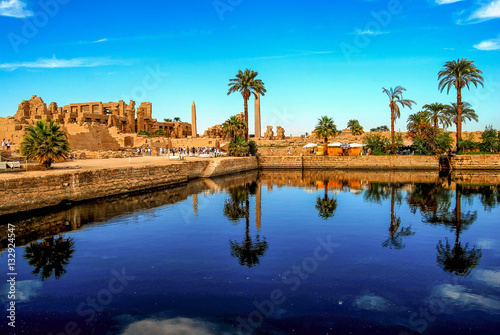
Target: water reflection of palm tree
{"type": "Point", "coordinates": [50, 256]}
{"type": "Point", "coordinates": [395, 239]}
{"type": "Point", "coordinates": [327, 206]}
{"type": "Point", "coordinates": [237, 207]}
{"type": "Point", "coordinates": [459, 260]}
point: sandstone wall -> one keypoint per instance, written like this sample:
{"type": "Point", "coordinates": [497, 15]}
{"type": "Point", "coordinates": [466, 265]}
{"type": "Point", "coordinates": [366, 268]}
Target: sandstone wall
{"type": "Point", "coordinates": [351, 162]}
{"type": "Point", "coordinates": [475, 162]}
{"type": "Point", "coordinates": [27, 193]}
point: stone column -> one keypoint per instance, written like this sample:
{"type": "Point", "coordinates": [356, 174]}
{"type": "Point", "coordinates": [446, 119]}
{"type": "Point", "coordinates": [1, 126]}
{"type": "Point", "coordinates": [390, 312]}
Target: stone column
{"type": "Point", "coordinates": [258, 206]}
{"type": "Point", "coordinates": [195, 204]}
{"type": "Point", "coordinates": [257, 116]}
{"type": "Point", "coordinates": [194, 133]}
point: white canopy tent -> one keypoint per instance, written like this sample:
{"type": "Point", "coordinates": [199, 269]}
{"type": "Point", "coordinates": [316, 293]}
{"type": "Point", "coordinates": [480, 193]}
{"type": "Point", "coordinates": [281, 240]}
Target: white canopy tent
{"type": "Point", "coordinates": [310, 145]}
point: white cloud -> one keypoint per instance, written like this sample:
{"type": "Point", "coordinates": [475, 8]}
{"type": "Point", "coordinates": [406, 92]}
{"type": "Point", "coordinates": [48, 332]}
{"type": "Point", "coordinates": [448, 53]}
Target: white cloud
{"type": "Point", "coordinates": [372, 303]}
{"type": "Point", "coordinates": [461, 297]}
{"type": "Point", "coordinates": [445, 2]}
{"type": "Point", "coordinates": [487, 12]}
{"type": "Point", "coordinates": [100, 41]}
{"type": "Point", "coordinates": [54, 63]}
{"type": "Point", "coordinates": [369, 32]}
{"type": "Point", "coordinates": [177, 326]}
{"type": "Point", "coordinates": [25, 289]}
{"type": "Point", "coordinates": [14, 8]}
{"type": "Point", "coordinates": [488, 45]}
{"type": "Point", "coordinates": [489, 277]}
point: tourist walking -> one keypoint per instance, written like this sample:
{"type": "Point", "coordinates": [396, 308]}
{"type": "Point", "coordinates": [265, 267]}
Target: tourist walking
{"type": "Point", "coordinates": [7, 144]}
{"type": "Point", "coordinates": [3, 144]}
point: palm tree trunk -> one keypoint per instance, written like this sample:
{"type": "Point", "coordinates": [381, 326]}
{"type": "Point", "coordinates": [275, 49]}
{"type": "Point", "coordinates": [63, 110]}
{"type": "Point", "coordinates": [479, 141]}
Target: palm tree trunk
{"type": "Point", "coordinates": [392, 211]}
{"type": "Point", "coordinates": [246, 117]}
{"type": "Point", "coordinates": [247, 218]}
{"type": "Point", "coordinates": [325, 149]}
{"type": "Point", "coordinates": [458, 212]}
{"type": "Point", "coordinates": [392, 132]}
{"type": "Point", "coordinates": [326, 188]}
{"type": "Point", "coordinates": [459, 115]}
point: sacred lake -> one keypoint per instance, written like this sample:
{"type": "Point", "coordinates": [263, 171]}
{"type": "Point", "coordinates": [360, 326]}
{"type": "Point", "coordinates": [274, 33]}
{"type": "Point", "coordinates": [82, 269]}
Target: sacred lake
{"type": "Point", "coordinates": [264, 252]}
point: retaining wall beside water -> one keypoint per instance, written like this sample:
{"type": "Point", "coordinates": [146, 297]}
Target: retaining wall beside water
{"type": "Point", "coordinates": [351, 162]}
{"type": "Point", "coordinates": [28, 192]}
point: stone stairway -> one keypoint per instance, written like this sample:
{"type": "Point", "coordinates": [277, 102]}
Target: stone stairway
{"type": "Point", "coordinates": [209, 170]}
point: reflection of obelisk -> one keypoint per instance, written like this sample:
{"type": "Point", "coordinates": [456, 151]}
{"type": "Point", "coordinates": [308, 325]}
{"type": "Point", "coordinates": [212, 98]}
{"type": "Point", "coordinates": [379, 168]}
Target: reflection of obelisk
{"type": "Point", "coordinates": [258, 207]}
{"type": "Point", "coordinates": [195, 204]}
{"type": "Point", "coordinates": [257, 115]}
{"type": "Point", "coordinates": [193, 121]}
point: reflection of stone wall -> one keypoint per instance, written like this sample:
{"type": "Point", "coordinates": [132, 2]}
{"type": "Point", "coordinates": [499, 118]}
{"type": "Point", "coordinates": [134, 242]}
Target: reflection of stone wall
{"type": "Point", "coordinates": [23, 193]}
{"type": "Point", "coordinates": [101, 210]}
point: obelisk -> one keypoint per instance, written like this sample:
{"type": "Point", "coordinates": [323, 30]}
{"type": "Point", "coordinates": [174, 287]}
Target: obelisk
{"type": "Point", "coordinates": [194, 133]}
{"type": "Point", "coordinates": [257, 115]}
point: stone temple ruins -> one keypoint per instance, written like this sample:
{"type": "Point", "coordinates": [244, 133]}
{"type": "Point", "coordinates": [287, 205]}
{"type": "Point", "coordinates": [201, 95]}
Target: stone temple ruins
{"type": "Point", "coordinates": [114, 126]}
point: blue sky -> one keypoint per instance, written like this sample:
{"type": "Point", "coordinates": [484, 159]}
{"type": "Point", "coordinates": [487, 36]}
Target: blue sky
{"type": "Point", "coordinates": [316, 58]}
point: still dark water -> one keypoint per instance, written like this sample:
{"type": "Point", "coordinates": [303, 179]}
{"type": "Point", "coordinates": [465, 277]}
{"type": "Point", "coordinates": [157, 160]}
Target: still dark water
{"type": "Point", "coordinates": [267, 253]}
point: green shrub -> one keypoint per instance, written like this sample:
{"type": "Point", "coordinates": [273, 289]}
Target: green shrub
{"type": "Point", "coordinates": [238, 147]}
{"type": "Point", "coordinates": [491, 140]}
{"type": "Point", "coordinates": [160, 132]}
{"type": "Point", "coordinates": [144, 132]}
{"type": "Point", "coordinates": [252, 148]}
{"type": "Point", "coordinates": [377, 143]}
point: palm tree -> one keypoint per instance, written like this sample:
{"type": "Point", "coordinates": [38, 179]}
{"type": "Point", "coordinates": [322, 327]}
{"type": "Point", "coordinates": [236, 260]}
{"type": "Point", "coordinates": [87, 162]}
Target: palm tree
{"type": "Point", "coordinates": [237, 207]}
{"type": "Point", "coordinates": [459, 73]}
{"type": "Point", "coordinates": [324, 129]}
{"type": "Point", "coordinates": [458, 260]}
{"type": "Point", "coordinates": [177, 119]}
{"type": "Point", "coordinates": [395, 235]}
{"type": "Point", "coordinates": [238, 147]}
{"type": "Point", "coordinates": [46, 143]}
{"type": "Point", "coordinates": [326, 207]}
{"type": "Point", "coordinates": [357, 130]}
{"type": "Point", "coordinates": [49, 256]}
{"type": "Point", "coordinates": [451, 112]}
{"type": "Point", "coordinates": [167, 120]}
{"type": "Point", "coordinates": [246, 83]}
{"type": "Point", "coordinates": [234, 127]}
{"type": "Point", "coordinates": [437, 114]}
{"type": "Point", "coordinates": [396, 97]}
{"type": "Point", "coordinates": [414, 120]}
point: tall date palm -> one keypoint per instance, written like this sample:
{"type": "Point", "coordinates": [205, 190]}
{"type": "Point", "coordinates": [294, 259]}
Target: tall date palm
{"type": "Point", "coordinates": [324, 129]}
{"type": "Point", "coordinates": [459, 73]}
{"type": "Point", "coordinates": [396, 99]}
{"type": "Point", "coordinates": [246, 84]}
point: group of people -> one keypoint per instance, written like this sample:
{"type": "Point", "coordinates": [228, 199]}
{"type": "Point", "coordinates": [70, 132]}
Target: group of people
{"type": "Point", "coordinates": [193, 151]}
{"type": "Point", "coordinates": [182, 151]}
{"type": "Point", "coordinates": [5, 144]}
{"type": "Point", "coordinates": [145, 151]}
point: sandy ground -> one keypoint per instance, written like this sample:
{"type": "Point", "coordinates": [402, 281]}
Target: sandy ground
{"type": "Point", "coordinates": [96, 164]}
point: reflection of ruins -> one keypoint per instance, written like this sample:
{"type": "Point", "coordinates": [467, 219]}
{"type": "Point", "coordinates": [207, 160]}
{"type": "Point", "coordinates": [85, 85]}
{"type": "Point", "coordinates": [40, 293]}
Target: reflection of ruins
{"type": "Point", "coordinates": [34, 226]}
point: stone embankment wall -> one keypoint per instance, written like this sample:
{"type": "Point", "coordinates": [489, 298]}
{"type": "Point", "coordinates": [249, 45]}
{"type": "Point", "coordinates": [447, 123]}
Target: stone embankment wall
{"type": "Point", "coordinates": [475, 162]}
{"type": "Point", "coordinates": [351, 162]}
{"type": "Point", "coordinates": [27, 193]}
